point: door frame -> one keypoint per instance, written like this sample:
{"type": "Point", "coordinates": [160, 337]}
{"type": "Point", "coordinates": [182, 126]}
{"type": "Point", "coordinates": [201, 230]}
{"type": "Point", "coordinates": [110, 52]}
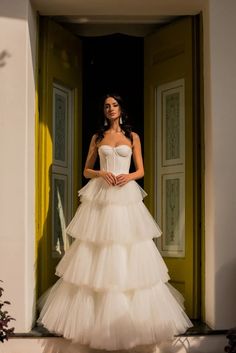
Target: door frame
{"type": "Point", "coordinates": [44, 144]}
{"type": "Point", "coordinates": [198, 164]}
{"type": "Point", "coordinates": [42, 135]}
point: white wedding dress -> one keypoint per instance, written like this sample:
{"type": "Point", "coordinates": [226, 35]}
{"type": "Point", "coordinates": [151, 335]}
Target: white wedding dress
{"type": "Point", "coordinates": [113, 292]}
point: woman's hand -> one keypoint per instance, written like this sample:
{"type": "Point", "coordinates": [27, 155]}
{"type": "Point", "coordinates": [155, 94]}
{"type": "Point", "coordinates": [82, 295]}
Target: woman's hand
{"type": "Point", "coordinates": [108, 176]}
{"type": "Point", "coordinates": [122, 179]}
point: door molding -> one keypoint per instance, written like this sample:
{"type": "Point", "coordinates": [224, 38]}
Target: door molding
{"type": "Point", "coordinates": [59, 65]}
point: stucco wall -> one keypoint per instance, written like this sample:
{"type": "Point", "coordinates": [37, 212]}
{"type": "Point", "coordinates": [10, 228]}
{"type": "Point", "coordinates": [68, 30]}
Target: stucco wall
{"type": "Point", "coordinates": [220, 139]}
{"type": "Point", "coordinates": [17, 151]}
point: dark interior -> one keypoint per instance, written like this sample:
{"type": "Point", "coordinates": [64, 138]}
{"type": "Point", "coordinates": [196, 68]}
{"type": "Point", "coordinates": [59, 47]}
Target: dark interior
{"type": "Point", "coordinates": [112, 63]}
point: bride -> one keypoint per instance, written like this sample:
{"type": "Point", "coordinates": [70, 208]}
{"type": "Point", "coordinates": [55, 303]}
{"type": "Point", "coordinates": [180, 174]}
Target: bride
{"type": "Point", "coordinates": [113, 291]}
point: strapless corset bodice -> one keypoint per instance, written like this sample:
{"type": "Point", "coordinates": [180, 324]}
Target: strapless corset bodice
{"type": "Point", "coordinates": [115, 159]}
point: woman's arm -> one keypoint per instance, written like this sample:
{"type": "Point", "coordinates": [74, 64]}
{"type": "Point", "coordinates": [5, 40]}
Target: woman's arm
{"type": "Point", "coordinates": [89, 172]}
{"type": "Point", "coordinates": [138, 162]}
{"type": "Point", "coordinates": [138, 159]}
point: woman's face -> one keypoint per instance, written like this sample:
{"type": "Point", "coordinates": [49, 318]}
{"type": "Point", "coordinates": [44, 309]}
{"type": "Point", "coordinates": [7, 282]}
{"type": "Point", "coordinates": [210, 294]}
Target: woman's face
{"type": "Point", "coordinates": [112, 109]}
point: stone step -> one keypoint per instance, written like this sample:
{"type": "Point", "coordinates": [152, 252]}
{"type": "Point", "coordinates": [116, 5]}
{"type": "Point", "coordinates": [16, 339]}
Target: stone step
{"type": "Point", "coordinates": [183, 344]}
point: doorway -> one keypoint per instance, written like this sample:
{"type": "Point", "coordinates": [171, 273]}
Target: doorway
{"type": "Point", "coordinates": [136, 68]}
{"type": "Point", "coordinates": [112, 64]}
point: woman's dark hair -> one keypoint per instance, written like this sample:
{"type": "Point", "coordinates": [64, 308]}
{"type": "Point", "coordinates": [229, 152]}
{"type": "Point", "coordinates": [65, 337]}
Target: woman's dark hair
{"type": "Point", "coordinates": [124, 126]}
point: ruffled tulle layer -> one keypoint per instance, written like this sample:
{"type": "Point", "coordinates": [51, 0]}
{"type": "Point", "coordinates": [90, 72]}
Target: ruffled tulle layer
{"type": "Point", "coordinates": [112, 214]}
{"type": "Point", "coordinates": [114, 266]}
{"type": "Point", "coordinates": [99, 191]}
{"type": "Point", "coordinates": [115, 223]}
{"type": "Point", "coordinates": [113, 320]}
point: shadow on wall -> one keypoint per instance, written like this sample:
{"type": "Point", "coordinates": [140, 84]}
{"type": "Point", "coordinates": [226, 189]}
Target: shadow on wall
{"type": "Point", "coordinates": [3, 57]}
{"type": "Point", "coordinates": [225, 287]}
{"type": "Point", "coordinates": [13, 9]}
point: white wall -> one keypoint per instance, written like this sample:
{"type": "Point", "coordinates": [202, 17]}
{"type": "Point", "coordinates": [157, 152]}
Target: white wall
{"type": "Point", "coordinates": [220, 141]}
{"type": "Point", "coordinates": [17, 150]}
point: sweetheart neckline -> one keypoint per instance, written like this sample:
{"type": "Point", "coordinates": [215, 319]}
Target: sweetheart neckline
{"type": "Point", "coordinates": [115, 146]}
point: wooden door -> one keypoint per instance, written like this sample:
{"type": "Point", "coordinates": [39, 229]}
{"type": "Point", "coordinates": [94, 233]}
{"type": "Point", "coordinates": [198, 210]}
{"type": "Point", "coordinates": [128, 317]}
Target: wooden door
{"type": "Point", "coordinates": [58, 144]}
{"type": "Point", "coordinates": [171, 152]}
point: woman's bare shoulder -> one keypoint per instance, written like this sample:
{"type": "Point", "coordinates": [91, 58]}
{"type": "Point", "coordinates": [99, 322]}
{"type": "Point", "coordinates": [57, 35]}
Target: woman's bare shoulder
{"type": "Point", "coordinates": [95, 135]}
{"type": "Point", "coordinates": [135, 137]}
{"type": "Point", "coordinates": [93, 141]}
{"type": "Point", "coordinates": [94, 138]}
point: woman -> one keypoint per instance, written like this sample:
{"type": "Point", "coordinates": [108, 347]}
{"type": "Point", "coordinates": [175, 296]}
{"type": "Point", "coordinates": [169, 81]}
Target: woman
{"type": "Point", "coordinates": [114, 136]}
{"type": "Point", "coordinates": [113, 292]}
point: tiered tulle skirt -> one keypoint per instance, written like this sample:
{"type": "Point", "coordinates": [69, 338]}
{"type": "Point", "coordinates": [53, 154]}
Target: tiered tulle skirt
{"type": "Point", "coordinates": [113, 291]}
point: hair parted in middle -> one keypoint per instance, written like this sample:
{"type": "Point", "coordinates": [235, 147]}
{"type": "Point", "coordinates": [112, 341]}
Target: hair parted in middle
{"type": "Point", "coordinates": [125, 126]}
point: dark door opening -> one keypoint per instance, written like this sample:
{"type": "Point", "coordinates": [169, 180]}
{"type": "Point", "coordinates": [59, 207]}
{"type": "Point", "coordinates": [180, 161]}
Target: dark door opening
{"type": "Point", "coordinates": [112, 63]}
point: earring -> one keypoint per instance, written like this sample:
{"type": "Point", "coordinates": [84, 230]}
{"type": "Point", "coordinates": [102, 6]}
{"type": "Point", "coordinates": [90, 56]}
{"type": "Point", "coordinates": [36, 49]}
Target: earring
{"type": "Point", "coordinates": [105, 122]}
{"type": "Point", "coordinates": [121, 121]}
